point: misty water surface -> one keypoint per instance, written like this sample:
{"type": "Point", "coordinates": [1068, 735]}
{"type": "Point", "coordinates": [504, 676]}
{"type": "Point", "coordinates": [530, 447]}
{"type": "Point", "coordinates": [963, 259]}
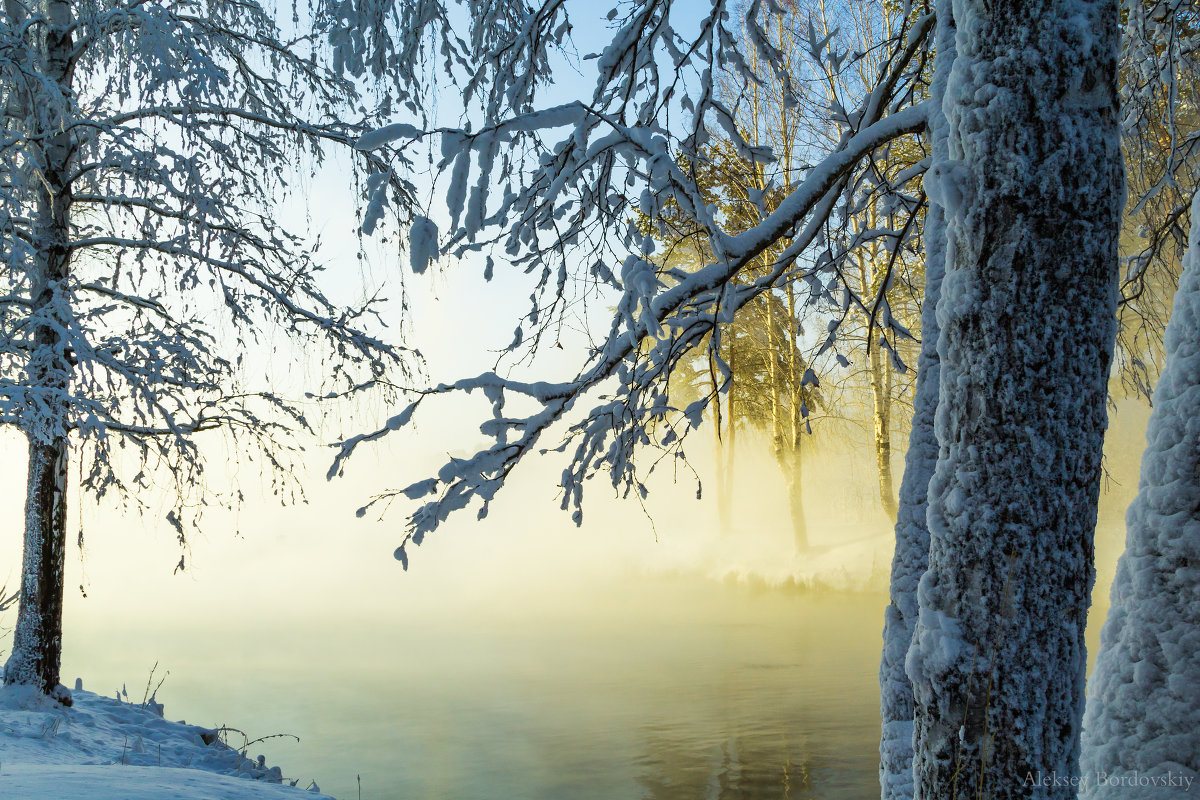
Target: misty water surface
{"type": "Point", "coordinates": [658, 688]}
{"type": "Point", "coordinates": [518, 661]}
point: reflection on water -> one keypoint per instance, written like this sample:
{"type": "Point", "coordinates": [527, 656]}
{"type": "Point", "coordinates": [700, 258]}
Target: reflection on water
{"type": "Point", "coordinates": [662, 689]}
{"type": "Point", "coordinates": [765, 765]}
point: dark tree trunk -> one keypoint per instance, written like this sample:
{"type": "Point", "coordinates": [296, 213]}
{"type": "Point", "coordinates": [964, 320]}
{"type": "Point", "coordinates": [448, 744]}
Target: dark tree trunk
{"type": "Point", "coordinates": [37, 641]}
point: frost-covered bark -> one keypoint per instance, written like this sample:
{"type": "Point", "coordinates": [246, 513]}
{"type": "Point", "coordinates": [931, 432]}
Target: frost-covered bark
{"type": "Point", "coordinates": [1141, 734]}
{"type": "Point", "coordinates": [37, 639]}
{"type": "Point", "coordinates": [911, 557]}
{"type": "Point", "coordinates": [1032, 193]}
{"type": "Point", "coordinates": [1160, 116]}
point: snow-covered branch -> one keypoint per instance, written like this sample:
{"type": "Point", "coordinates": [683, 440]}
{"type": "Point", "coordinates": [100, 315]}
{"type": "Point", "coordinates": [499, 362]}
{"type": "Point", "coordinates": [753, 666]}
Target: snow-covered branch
{"type": "Point", "coordinates": [147, 148]}
{"type": "Point", "coordinates": [590, 168]}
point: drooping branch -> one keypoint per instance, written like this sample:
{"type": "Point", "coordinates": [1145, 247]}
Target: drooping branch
{"type": "Point", "coordinates": [655, 327]}
{"type": "Point", "coordinates": [179, 128]}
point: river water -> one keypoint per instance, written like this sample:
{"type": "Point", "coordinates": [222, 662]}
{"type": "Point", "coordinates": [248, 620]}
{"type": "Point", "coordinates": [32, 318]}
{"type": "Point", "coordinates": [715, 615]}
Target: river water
{"type": "Point", "coordinates": [661, 688]}
{"type": "Point", "coordinates": [492, 675]}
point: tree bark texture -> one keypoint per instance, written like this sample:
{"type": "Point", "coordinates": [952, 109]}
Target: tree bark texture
{"type": "Point", "coordinates": [1033, 191]}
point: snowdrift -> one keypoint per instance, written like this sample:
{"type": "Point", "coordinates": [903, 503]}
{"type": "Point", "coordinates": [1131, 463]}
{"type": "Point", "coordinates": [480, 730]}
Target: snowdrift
{"type": "Point", "coordinates": [104, 749]}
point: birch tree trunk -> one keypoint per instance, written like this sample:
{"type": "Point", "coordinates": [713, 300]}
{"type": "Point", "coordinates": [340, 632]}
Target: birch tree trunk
{"type": "Point", "coordinates": [1141, 733]}
{"type": "Point", "coordinates": [871, 279]}
{"type": "Point", "coordinates": [881, 397]}
{"type": "Point", "coordinates": [724, 520]}
{"type": "Point", "coordinates": [723, 443]}
{"type": "Point", "coordinates": [730, 443]}
{"type": "Point", "coordinates": [795, 489]}
{"type": "Point", "coordinates": [1033, 195]}
{"type": "Point", "coordinates": [911, 557]}
{"type": "Point", "coordinates": [37, 640]}
{"type": "Point", "coordinates": [795, 470]}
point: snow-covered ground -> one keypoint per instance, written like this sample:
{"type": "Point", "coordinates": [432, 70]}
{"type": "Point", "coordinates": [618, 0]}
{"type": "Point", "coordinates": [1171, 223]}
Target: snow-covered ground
{"type": "Point", "coordinates": [102, 748]}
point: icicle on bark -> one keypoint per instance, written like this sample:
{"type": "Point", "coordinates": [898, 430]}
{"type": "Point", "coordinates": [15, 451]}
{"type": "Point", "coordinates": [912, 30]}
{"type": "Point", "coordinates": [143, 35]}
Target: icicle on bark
{"type": "Point", "coordinates": [1026, 318]}
{"type": "Point", "coordinates": [912, 533]}
{"type": "Point", "coordinates": [1142, 726]}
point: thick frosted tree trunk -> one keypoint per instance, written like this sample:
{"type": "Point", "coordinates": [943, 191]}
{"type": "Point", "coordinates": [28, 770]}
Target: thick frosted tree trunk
{"type": "Point", "coordinates": [1033, 194]}
{"type": "Point", "coordinates": [1141, 733]}
{"type": "Point", "coordinates": [881, 391]}
{"type": "Point", "coordinates": [37, 640]}
{"type": "Point", "coordinates": [911, 556]}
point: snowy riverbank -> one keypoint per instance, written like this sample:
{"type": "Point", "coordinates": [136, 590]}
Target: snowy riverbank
{"type": "Point", "coordinates": [104, 749]}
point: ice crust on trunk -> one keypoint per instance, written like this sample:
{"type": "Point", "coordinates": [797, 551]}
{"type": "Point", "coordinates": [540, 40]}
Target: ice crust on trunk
{"type": "Point", "coordinates": [911, 556]}
{"type": "Point", "coordinates": [1142, 725]}
{"type": "Point", "coordinates": [1033, 194]}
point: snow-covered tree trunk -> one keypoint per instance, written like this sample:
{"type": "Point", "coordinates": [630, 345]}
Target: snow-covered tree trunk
{"type": "Point", "coordinates": [911, 557]}
{"type": "Point", "coordinates": [1141, 734]}
{"type": "Point", "coordinates": [37, 640]}
{"type": "Point", "coordinates": [1033, 194]}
